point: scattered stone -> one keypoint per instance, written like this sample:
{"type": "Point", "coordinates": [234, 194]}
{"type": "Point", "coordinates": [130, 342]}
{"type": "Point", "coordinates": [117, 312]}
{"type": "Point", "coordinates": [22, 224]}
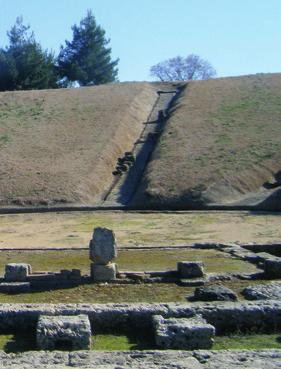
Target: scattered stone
{"type": "Point", "coordinates": [269, 291]}
{"type": "Point", "coordinates": [191, 282]}
{"type": "Point", "coordinates": [64, 332]}
{"type": "Point", "coordinates": [103, 273]}
{"type": "Point", "coordinates": [190, 269]}
{"type": "Point", "coordinates": [216, 292]}
{"type": "Point", "coordinates": [272, 267]}
{"type": "Point", "coordinates": [15, 287]}
{"type": "Point", "coordinates": [74, 274]}
{"type": "Point", "coordinates": [103, 247]}
{"type": "Point", "coordinates": [183, 333]}
{"type": "Point", "coordinates": [16, 272]}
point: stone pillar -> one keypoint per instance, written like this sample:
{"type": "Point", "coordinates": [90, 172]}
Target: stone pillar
{"type": "Point", "coordinates": [103, 250]}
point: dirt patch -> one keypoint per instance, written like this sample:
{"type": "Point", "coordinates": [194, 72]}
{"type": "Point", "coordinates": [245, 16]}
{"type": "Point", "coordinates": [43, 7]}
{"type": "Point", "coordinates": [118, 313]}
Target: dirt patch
{"type": "Point", "coordinates": [220, 145]}
{"type": "Point", "coordinates": [60, 146]}
{"type": "Point", "coordinates": [74, 230]}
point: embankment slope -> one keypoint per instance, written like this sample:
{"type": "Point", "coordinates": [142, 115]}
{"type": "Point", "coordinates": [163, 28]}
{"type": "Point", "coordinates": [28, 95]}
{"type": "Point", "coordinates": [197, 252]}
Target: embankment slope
{"type": "Point", "coordinates": [60, 146]}
{"type": "Point", "coordinates": [220, 145]}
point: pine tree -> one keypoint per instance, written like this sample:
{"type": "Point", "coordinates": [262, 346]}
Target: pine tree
{"type": "Point", "coordinates": [86, 59]}
{"type": "Point", "coordinates": [23, 64]}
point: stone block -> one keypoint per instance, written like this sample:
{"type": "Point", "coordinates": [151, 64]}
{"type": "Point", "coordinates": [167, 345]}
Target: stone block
{"type": "Point", "coordinates": [15, 287]}
{"type": "Point", "coordinates": [216, 292]}
{"type": "Point", "coordinates": [268, 291]}
{"type": "Point", "coordinates": [103, 273]}
{"type": "Point", "coordinates": [16, 272]}
{"type": "Point", "coordinates": [272, 267]}
{"type": "Point", "coordinates": [63, 332]}
{"type": "Point", "coordinates": [75, 274]}
{"type": "Point", "coordinates": [183, 333]}
{"type": "Point", "coordinates": [103, 247]}
{"type": "Point", "coordinates": [190, 269]}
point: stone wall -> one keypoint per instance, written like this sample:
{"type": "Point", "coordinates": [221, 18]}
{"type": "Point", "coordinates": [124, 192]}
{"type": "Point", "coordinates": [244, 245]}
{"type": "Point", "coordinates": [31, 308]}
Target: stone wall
{"type": "Point", "coordinates": [225, 316]}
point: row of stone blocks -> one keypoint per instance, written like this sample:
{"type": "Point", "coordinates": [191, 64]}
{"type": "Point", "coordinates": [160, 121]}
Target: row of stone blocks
{"type": "Point", "coordinates": [74, 332]}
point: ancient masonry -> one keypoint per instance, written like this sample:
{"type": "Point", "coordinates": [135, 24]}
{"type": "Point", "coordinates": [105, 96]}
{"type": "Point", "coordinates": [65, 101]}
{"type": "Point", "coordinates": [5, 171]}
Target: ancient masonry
{"type": "Point", "coordinates": [191, 326]}
{"type": "Point", "coordinates": [103, 250]}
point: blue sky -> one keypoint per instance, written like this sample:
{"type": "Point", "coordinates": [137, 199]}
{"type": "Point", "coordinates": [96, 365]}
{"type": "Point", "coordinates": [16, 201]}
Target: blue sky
{"type": "Point", "coordinates": [237, 36]}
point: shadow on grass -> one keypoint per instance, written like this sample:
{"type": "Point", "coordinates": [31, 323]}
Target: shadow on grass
{"type": "Point", "coordinates": [15, 342]}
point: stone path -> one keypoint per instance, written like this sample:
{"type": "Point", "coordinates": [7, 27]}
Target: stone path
{"type": "Point", "coordinates": [125, 186]}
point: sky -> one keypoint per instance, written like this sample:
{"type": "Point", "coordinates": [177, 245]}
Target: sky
{"type": "Point", "coordinates": [237, 37]}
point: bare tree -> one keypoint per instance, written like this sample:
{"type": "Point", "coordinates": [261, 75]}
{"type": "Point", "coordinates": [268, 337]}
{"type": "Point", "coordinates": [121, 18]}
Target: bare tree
{"type": "Point", "coordinates": [183, 69]}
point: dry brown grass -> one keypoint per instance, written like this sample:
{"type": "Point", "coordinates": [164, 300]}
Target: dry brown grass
{"type": "Point", "coordinates": [221, 143]}
{"type": "Point", "coordinates": [74, 229]}
{"type": "Point", "coordinates": [60, 146]}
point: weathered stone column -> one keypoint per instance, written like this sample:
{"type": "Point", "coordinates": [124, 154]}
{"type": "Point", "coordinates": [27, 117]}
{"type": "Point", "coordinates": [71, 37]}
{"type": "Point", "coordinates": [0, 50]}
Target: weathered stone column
{"type": "Point", "coordinates": [103, 249]}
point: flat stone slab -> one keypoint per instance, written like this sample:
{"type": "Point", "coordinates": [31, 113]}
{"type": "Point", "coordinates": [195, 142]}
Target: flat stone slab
{"type": "Point", "coordinates": [62, 332]}
{"type": "Point", "coordinates": [100, 360]}
{"type": "Point", "coordinates": [194, 282]}
{"type": "Point", "coordinates": [172, 359]}
{"type": "Point", "coordinates": [183, 333]}
{"type": "Point", "coordinates": [216, 292]}
{"type": "Point", "coordinates": [268, 291]}
{"type": "Point", "coordinates": [240, 359]}
{"type": "Point", "coordinates": [15, 287]}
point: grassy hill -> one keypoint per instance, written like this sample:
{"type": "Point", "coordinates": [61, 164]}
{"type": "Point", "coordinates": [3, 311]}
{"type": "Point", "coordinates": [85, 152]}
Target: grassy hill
{"type": "Point", "coordinates": [220, 145]}
{"type": "Point", "coordinates": [60, 146]}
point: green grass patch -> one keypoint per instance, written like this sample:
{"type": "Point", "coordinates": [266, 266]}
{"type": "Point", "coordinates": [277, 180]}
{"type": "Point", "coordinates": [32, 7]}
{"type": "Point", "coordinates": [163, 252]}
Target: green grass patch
{"type": "Point", "coordinates": [130, 260]}
{"type": "Point", "coordinates": [137, 260]}
{"type": "Point", "coordinates": [130, 341]}
{"type": "Point", "coordinates": [104, 293]}
{"type": "Point", "coordinates": [25, 341]}
{"type": "Point", "coordinates": [248, 342]}
{"type": "Point", "coordinates": [15, 342]}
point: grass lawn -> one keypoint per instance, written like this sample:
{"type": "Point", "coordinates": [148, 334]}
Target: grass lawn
{"type": "Point", "coordinates": [137, 260]}
{"type": "Point", "coordinates": [24, 341]}
{"type": "Point", "coordinates": [248, 342]}
{"type": "Point", "coordinates": [131, 260]}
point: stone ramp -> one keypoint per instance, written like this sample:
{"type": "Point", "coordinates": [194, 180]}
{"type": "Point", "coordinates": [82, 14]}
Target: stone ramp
{"type": "Point", "coordinates": [124, 187]}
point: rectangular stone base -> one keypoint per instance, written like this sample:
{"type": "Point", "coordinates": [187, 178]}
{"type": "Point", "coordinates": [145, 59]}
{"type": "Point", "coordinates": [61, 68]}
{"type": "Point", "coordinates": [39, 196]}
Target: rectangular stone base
{"type": "Point", "coordinates": [183, 333]}
{"type": "Point", "coordinates": [17, 272]}
{"type": "Point", "coordinates": [64, 332]}
{"type": "Point", "coordinates": [103, 273]}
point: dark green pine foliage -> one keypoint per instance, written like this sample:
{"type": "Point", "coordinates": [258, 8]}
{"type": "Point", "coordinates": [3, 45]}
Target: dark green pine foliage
{"type": "Point", "coordinates": [8, 71]}
{"type": "Point", "coordinates": [23, 64]}
{"type": "Point", "coordinates": [86, 59]}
